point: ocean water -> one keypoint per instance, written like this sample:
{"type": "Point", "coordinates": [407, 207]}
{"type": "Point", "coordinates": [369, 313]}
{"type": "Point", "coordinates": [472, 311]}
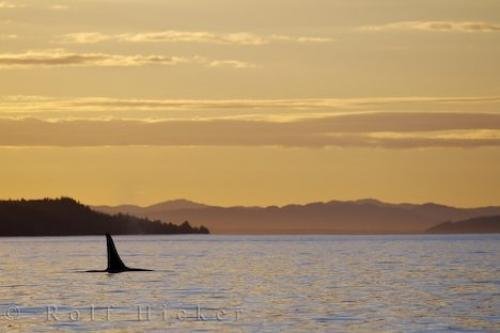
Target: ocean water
{"type": "Point", "coordinates": [207, 283]}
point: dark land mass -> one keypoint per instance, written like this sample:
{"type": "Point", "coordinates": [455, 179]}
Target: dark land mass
{"type": "Point", "coordinates": [335, 217]}
{"type": "Point", "coordinates": [478, 225]}
{"type": "Point", "coordinates": [67, 217]}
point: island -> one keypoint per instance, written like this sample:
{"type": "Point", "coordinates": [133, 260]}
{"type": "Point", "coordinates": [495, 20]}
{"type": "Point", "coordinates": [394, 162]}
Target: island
{"type": "Point", "coordinates": [67, 217]}
{"type": "Point", "coordinates": [477, 225]}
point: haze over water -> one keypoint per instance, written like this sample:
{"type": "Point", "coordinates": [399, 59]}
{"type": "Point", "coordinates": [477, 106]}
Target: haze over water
{"type": "Point", "coordinates": [253, 284]}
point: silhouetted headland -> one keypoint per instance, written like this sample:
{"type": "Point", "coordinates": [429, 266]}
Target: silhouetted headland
{"type": "Point", "coordinates": [478, 225]}
{"type": "Point", "coordinates": [67, 217]}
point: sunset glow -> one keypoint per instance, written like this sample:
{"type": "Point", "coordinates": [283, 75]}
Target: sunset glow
{"type": "Point", "coordinates": [254, 102]}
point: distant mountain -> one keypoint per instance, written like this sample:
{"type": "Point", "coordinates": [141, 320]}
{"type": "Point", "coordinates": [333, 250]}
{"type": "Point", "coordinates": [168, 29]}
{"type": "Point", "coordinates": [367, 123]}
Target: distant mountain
{"type": "Point", "coordinates": [477, 225]}
{"type": "Point", "coordinates": [176, 204]}
{"type": "Point", "coordinates": [159, 207]}
{"type": "Point", "coordinates": [367, 216]}
{"type": "Point", "coordinates": [65, 216]}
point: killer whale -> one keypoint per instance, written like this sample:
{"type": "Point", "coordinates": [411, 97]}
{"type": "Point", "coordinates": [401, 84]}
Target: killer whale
{"type": "Point", "coordinates": [115, 263]}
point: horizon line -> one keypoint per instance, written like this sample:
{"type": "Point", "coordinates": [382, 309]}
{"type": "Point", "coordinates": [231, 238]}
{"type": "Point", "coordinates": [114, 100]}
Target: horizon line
{"type": "Point", "coordinates": [300, 203]}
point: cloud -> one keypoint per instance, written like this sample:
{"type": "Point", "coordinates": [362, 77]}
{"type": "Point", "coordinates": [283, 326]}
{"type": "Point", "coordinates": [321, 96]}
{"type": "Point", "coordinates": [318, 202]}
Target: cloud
{"type": "Point", "coordinates": [443, 26]}
{"type": "Point", "coordinates": [59, 7]}
{"type": "Point", "coordinates": [173, 36]}
{"type": "Point", "coordinates": [58, 57]}
{"type": "Point", "coordinates": [176, 36]}
{"type": "Point", "coordinates": [51, 108]}
{"type": "Point", "coordinates": [8, 36]}
{"type": "Point", "coordinates": [84, 38]}
{"type": "Point", "coordinates": [388, 130]}
{"type": "Point", "coordinates": [9, 5]}
{"type": "Point", "coordinates": [230, 63]}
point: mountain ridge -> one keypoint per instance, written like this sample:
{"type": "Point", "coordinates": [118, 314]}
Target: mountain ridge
{"type": "Point", "coordinates": [364, 216]}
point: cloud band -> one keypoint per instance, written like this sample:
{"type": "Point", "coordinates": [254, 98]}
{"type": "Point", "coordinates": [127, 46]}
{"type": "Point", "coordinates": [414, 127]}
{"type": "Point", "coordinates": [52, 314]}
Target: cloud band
{"type": "Point", "coordinates": [442, 26]}
{"type": "Point", "coordinates": [176, 36]}
{"type": "Point", "coordinates": [62, 58]}
{"type": "Point", "coordinates": [389, 130]}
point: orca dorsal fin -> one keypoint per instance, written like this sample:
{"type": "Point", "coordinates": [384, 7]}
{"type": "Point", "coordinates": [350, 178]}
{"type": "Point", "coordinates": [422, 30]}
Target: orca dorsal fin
{"type": "Point", "coordinates": [115, 263]}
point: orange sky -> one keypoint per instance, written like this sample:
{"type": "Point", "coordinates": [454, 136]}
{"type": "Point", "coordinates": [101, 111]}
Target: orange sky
{"type": "Point", "coordinates": [250, 102]}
